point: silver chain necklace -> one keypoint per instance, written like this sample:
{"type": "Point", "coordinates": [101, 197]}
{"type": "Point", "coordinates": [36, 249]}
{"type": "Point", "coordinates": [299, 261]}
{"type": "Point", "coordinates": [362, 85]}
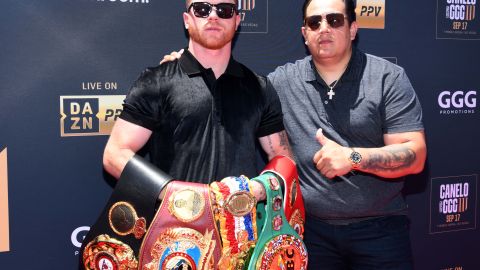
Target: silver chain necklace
{"type": "Point", "coordinates": [331, 93]}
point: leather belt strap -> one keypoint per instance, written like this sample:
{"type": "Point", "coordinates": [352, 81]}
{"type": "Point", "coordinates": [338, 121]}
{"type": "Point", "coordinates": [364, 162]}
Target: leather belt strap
{"type": "Point", "coordinates": [135, 194]}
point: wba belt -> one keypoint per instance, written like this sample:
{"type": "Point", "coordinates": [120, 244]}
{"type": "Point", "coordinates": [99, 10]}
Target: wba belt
{"type": "Point", "coordinates": [182, 234]}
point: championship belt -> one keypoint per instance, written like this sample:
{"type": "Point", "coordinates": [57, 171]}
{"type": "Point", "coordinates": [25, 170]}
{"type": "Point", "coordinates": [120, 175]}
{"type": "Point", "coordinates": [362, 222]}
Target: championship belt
{"type": "Point", "coordinates": [285, 170]}
{"type": "Point", "coordinates": [278, 246]}
{"type": "Point", "coordinates": [235, 214]}
{"type": "Point", "coordinates": [115, 239]}
{"type": "Point", "coordinates": [182, 234]}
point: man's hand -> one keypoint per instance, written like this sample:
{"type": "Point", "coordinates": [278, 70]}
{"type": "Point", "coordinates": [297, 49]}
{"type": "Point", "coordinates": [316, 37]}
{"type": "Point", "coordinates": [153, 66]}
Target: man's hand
{"type": "Point", "coordinates": [258, 191]}
{"type": "Point", "coordinates": [332, 159]}
{"type": "Point", "coordinates": [171, 57]}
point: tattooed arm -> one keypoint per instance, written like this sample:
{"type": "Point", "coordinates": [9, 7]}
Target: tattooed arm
{"type": "Point", "coordinates": [403, 153]}
{"type": "Point", "coordinates": [276, 144]}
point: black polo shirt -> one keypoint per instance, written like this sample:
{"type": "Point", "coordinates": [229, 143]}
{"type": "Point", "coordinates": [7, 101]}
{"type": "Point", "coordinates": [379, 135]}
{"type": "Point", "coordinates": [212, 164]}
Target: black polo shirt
{"type": "Point", "coordinates": [204, 128]}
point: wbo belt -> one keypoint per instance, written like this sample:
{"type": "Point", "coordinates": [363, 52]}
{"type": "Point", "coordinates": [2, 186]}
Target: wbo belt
{"type": "Point", "coordinates": [285, 170]}
{"type": "Point", "coordinates": [182, 234]}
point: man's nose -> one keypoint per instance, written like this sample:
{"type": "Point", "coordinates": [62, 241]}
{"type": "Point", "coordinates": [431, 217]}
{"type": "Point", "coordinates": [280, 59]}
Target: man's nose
{"type": "Point", "coordinates": [213, 14]}
{"type": "Point", "coordinates": [324, 27]}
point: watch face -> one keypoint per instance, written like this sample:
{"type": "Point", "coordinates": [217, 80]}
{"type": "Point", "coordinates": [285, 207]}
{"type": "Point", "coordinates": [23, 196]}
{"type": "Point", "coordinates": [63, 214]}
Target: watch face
{"type": "Point", "coordinates": [355, 157]}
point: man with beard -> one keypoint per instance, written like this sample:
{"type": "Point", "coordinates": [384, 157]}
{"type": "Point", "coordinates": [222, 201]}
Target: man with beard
{"type": "Point", "coordinates": [204, 115]}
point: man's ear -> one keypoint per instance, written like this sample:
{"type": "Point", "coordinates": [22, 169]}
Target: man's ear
{"type": "Point", "coordinates": [238, 20]}
{"type": "Point", "coordinates": [186, 20]}
{"type": "Point", "coordinates": [304, 33]}
{"type": "Point", "coordinates": [353, 30]}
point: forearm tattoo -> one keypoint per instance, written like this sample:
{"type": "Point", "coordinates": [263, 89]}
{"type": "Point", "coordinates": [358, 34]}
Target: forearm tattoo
{"type": "Point", "coordinates": [283, 143]}
{"type": "Point", "coordinates": [390, 159]}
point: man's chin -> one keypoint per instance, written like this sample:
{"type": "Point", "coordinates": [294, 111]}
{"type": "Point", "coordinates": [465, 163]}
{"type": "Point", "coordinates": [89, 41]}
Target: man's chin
{"type": "Point", "coordinates": [214, 44]}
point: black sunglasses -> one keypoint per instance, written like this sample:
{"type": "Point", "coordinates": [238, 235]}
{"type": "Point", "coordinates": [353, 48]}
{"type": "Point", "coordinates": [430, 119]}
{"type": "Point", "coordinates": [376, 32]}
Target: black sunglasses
{"type": "Point", "coordinates": [203, 9]}
{"type": "Point", "coordinates": [335, 20]}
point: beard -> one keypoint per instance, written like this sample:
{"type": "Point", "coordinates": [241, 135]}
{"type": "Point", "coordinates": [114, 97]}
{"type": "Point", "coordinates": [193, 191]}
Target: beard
{"type": "Point", "coordinates": [211, 41]}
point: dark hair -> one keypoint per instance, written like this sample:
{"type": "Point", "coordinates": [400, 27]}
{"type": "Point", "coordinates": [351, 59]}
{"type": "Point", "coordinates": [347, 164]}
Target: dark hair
{"type": "Point", "coordinates": [349, 8]}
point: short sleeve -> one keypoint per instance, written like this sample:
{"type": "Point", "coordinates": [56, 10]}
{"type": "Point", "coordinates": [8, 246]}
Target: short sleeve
{"type": "Point", "coordinates": [141, 105]}
{"type": "Point", "coordinates": [272, 116]}
{"type": "Point", "coordinates": [403, 112]}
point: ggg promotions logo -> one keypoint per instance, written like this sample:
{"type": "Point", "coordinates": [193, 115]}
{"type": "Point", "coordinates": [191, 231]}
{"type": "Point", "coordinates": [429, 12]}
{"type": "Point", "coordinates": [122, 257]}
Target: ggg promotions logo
{"type": "Point", "coordinates": [371, 14]}
{"type": "Point", "coordinates": [89, 115]}
{"type": "Point", "coordinates": [4, 229]}
{"type": "Point", "coordinates": [254, 16]}
{"type": "Point", "coordinates": [457, 102]}
{"type": "Point", "coordinates": [453, 203]}
{"type": "Point", "coordinates": [456, 19]}
{"type": "Point", "coordinates": [78, 235]}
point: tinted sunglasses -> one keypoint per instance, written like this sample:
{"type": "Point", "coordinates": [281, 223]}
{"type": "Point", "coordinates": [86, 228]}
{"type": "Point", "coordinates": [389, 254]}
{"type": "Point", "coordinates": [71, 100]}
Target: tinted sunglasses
{"type": "Point", "coordinates": [335, 20]}
{"type": "Point", "coordinates": [203, 9]}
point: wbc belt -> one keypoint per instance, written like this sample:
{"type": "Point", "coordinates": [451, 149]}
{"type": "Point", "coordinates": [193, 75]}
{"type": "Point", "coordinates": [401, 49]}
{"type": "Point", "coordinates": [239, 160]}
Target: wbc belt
{"type": "Point", "coordinates": [285, 170]}
{"type": "Point", "coordinates": [115, 239]}
{"type": "Point", "coordinates": [278, 246]}
{"type": "Point", "coordinates": [182, 234]}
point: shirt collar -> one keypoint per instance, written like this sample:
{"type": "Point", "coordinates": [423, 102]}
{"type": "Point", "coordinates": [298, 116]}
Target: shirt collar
{"type": "Point", "coordinates": [191, 66]}
{"type": "Point", "coordinates": [353, 72]}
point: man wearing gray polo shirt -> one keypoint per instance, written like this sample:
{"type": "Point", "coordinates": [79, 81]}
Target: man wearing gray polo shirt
{"type": "Point", "coordinates": [355, 126]}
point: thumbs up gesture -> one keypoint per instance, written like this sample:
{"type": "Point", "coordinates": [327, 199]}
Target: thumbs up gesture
{"type": "Point", "coordinates": [332, 159]}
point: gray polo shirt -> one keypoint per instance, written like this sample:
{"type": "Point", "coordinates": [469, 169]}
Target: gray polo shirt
{"type": "Point", "coordinates": [372, 98]}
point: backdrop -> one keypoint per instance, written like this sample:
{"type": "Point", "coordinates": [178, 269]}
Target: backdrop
{"type": "Point", "coordinates": [65, 67]}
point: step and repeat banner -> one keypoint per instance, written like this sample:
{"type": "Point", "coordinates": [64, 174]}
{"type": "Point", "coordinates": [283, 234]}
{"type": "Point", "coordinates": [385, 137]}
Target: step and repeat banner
{"type": "Point", "coordinates": [66, 67]}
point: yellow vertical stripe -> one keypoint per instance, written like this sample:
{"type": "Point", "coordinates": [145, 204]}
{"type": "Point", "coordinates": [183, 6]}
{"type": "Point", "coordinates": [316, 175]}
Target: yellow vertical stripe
{"type": "Point", "coordinates": [4, 229]}
{"type": "Point", "coordinates": [247, 4]}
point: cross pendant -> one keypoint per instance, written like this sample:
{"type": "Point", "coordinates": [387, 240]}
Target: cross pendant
{"type": "Point", "coordinates": [330, 93]}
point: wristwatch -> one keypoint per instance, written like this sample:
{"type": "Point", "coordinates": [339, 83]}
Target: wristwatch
{"type": "Point", "coordinates": [355, 158]}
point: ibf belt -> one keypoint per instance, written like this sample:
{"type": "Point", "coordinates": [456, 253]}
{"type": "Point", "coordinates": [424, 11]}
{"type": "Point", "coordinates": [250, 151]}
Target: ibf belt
{"type": "Point", "coordinates": [285, 170]}
{"type": "Point", "coordinates": [278, 246]}
{"type": "Point", "coordinates": [182, 234]}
